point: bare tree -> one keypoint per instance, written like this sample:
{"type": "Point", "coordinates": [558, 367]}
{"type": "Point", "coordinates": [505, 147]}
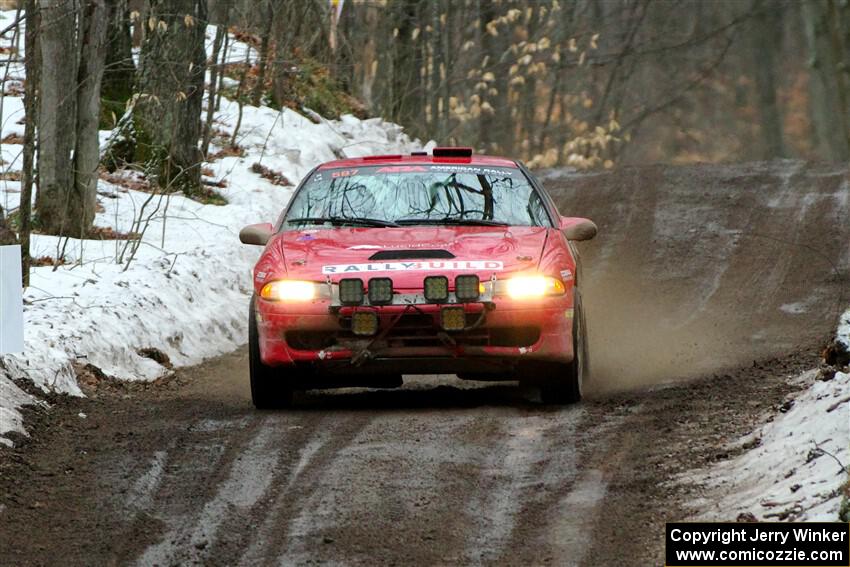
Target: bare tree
{"type": "Point", "coordinates": [93, 30]}
{"type": "Point", "coordinates": [119, 71]}
{"type": "Point", "coordinates": [212, 90]}
{"type": "Point", "coordinates": [59, 205]}
{"type": "Point", "coordinates": [265, 39]}
{"type": "Point", "coordinates": [825, 88]}
{"type": "Point", "coordinates": [767, 38]}
{"type": "Point", "coordinates": [171, 85]}
{"type": "Point", "coordinates": [30, 112]}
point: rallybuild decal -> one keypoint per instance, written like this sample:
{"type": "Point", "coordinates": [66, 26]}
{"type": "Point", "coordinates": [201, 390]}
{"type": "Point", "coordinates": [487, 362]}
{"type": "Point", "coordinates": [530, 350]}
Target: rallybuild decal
{"type": "Point", "coordinates": [413, 266]}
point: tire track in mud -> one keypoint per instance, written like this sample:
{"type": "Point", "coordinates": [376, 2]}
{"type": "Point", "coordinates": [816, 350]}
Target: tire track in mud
{"type": "Point", "coordinates": [255, 488]}
{"type": "Point", "coordinates": [493, 465]}
{"type": "Point", "coordinates": [194, 461]}
{"type": "Point", "coordinates": [555, 522]}
{"type": "Point", "coordinates": [254, 552]}
{"type": "Point", "coordinates": [511, 477]}
{"type": "Point", "coordinates": [382, 493]}
{"type": "Point", "coordinates": [290, 491]}
{"type": "Point", "coordinates": [246, 474]}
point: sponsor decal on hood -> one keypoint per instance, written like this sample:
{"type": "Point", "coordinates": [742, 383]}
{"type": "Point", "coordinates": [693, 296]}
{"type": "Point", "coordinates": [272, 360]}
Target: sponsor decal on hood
{"type": "Point", "coordinates": [413, 266]}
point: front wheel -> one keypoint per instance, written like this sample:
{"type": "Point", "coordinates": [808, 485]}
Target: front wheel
{"type": "Point", "coordinates": [268, 389]}
{"type": "Point", "coordinates": [565, 386]}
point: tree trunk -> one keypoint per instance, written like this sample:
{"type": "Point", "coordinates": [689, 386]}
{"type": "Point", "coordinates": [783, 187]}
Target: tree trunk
{"type": "Point", "coordinates": [30, 113]}
{"type": "Point", "coordinates": [485, 11]}
{"type": "Point", "coordinates": [824, 104]}
{"type": "Point", "coordinates": [496, 126]}
{"type": "Point", "coordinates": [447, 47]}
{"type": "Point", "coordinates": [405, 100]}
{"type": "Point", "coordinates": [171, 86]}
{"type": "Point", "coordinates": [838, 19]}
{"type": "Point", "coordinates": [222, 62]}
{"type": "Point", "coordinates": [257, 95]}
{"type": "Point", "coordinates": [766, 35]}
{"type": "Point", "coordinates": [57, 115]}
{"type": "Point", "coordinates": [86, 153]}
{"type": "Point", "coordinates": [436, 68]}
{"type": "Point", "coordinates": [345, 57]}
{"type": "Point", "coordinates": [120, 71]}
{"type": "Point", "coordinates": [220, 34]}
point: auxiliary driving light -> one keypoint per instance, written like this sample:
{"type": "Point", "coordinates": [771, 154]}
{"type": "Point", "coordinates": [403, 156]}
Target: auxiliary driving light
{"type": "Point", "coordinates": [351, 291]}
{"type": "Point", "coordinates": [380, 291]}
{"type": "Point", "coordinates": [453, 318]}
{"type": "Point", "coordinates": [467, 288]}
{"type": "Point", "coordinates": [437, 288]}
{"type": "Point", "coordinates": [364, 323]}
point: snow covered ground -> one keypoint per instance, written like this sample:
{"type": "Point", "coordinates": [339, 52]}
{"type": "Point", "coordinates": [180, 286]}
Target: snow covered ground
{"type": "Point", "coordinates": [799, 461]}
{"type": "Point", "coordinates": [186, 290]}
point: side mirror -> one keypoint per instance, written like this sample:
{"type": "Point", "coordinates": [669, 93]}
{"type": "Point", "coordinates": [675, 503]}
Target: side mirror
{"type": "Point", "coordinates": [258, 234]}
{"type": "Point", "coordinates": [577, 228]}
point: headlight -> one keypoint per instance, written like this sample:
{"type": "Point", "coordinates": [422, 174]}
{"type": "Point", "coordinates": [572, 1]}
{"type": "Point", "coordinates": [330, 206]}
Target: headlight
{"type": "Point", "coordinates": [528, 287]}
{"type": "Point", "coordinates": [291, 290]}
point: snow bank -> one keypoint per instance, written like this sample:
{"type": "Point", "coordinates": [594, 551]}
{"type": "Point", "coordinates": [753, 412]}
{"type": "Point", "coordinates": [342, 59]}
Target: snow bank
{"type": "Point", "coordinates": [186, 291]}
{"type": "Point", "coordinates": [799, 464]}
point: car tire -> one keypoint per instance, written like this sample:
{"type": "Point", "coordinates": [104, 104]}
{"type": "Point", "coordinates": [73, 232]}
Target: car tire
{"type": "Point", "coordinates": [268, 389]}
{"type": "Point", "coordinates": [566, 387]}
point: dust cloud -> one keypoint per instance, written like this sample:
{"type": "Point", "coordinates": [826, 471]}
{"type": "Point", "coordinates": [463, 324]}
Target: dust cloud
{"type": "Point", "coordinates": [699, 269]}
{"type": "Point", "coordinates": [637, 339]}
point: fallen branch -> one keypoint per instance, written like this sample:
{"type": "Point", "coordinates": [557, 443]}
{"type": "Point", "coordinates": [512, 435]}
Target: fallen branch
{"type": "Point", "coordinates": [837, 404]}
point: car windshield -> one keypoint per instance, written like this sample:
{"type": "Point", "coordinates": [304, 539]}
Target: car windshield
{"type": "Point", "coordinates": [386, 196]}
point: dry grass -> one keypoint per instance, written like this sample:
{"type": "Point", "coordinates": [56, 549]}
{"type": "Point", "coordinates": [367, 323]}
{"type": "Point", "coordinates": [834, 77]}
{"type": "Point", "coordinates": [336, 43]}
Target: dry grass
{"type": "Point", "coordinates": [275, 177]}
{"type": "Point", "coordinates": [229, 151]}
{"type": "Point", "coordinates": [130, 182]}
{"type": "Point", "coordinates": [12, 138]}
{"type": "Point", "coordinates": [47, 261]}
{"type": "Point", "coordinates": [109, 233]}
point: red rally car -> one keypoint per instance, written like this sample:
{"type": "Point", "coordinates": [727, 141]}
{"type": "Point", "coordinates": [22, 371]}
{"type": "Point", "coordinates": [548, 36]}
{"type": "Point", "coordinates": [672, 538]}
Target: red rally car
{"type": "Point", "coordinates": [441, 263]}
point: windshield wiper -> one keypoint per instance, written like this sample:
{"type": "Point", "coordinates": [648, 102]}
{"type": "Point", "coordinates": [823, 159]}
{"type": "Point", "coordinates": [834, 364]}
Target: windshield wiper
{"type": "Point", "coordinates": [362, 221]}
{"type": "Point", "coordinates": [454, 221]}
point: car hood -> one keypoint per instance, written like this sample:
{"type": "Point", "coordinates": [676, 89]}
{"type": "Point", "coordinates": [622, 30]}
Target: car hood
{"type": "Point", "coordinates": [407, 254]}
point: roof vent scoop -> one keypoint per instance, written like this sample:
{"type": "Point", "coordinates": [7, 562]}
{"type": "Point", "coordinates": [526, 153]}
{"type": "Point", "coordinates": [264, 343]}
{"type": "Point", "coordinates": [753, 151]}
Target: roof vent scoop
{"type": "Point", "coordinates": [411, 255]}
{"type": "Point", "coordinates": [452, 152]}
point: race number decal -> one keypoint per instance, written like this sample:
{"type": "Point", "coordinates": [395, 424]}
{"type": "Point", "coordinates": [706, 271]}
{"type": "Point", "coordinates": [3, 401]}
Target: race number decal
{"type": "Point", "coordinates": [413, 266]}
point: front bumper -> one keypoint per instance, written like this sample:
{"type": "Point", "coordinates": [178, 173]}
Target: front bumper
{"type": "Point", "coordinates": [500, 333]}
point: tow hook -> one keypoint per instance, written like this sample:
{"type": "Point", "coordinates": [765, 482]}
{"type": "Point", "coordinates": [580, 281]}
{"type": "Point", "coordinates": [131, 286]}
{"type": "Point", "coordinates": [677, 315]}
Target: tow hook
{"type": "Point", "coordinates": [361, 357]}
{"type": "Point", "coordinates": [365, 354]}
{"type": "Point", "coordinates": [446, 339]}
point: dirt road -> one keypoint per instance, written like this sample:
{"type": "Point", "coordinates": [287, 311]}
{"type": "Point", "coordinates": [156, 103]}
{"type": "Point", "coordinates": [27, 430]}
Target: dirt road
{"type": "Point", "coordinates": [698, 271]}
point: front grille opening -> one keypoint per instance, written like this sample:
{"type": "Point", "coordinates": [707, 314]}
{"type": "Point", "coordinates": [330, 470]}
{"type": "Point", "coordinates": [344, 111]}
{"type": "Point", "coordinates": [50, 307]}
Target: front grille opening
{"type": "Point", "coordinates": [412, 255]}
{"type": "Point", "coordinates": [416, 329]}
{"type": "Point", "coordinates": [310, 340]}
{"type": "Point", "coordinates": [514, 336]}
